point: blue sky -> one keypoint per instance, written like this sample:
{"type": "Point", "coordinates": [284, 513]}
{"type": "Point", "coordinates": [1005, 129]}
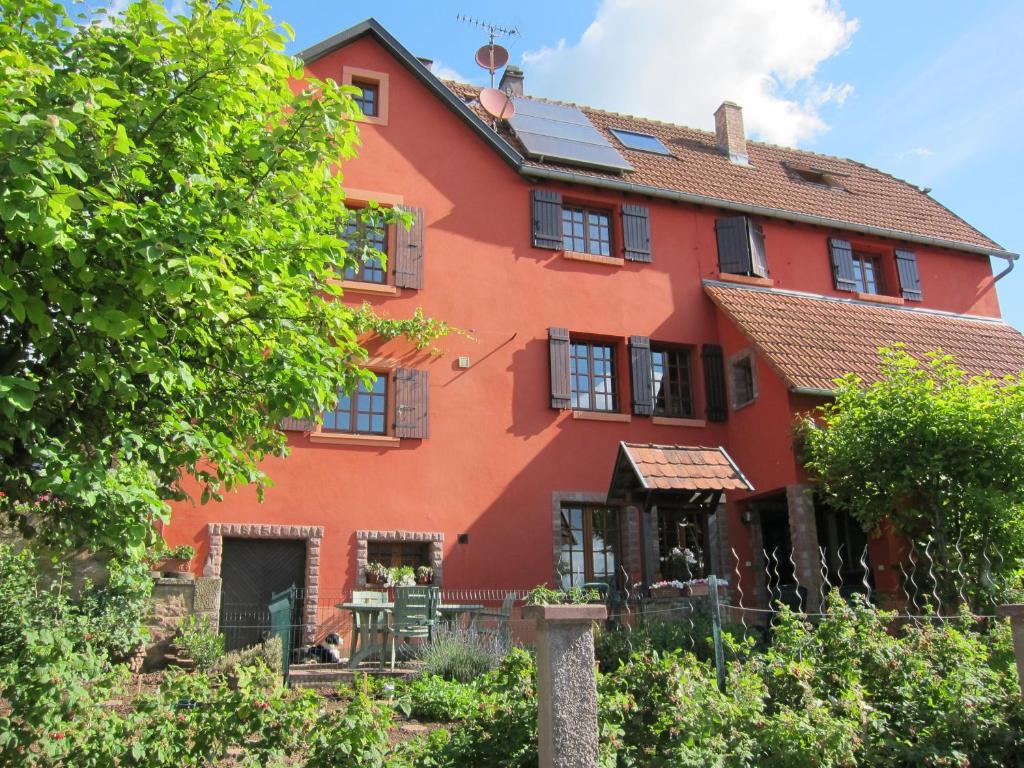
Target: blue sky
{"type": "Point", "coordinates": [928, 91]}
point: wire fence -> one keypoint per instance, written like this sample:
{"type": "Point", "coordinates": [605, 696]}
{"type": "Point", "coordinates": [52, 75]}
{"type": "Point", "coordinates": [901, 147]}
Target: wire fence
{"type": "Point", "coordinates": [931, 581]}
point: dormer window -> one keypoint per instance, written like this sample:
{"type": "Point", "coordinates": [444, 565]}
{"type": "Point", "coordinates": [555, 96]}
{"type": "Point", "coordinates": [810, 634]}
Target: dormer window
{"type": "Point", "coordinates": [643, 142]}
{"type": "Point", "coordinates": [811, 175]}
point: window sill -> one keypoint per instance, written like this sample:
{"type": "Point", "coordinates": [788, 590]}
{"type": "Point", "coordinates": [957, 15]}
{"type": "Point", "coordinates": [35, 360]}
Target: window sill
{"type": "Point", "coordinates": [611, 261]}
{"type": "Point", "coordinates": [667, 421]}
{"type": "Point", "coordinates": [354, 286]}
{"type": "Point", "coordinates": [741, 406]}
{"type": "Point", "coordinates": [765, 282]}
{"type": "Point", "coordinates": [880, 298]}
{"type": "Point", "coordinates": [602, 416]}
{"type": "Point", "coordinates": [341, 438]}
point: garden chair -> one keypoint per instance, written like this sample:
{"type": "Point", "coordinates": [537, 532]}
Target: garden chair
{"type": "Point", "coordinates": [501, 616]}
{"type": "Point", "coordinates": [377, 621]}
{"type": "Point", "coordinates": [414, 616]}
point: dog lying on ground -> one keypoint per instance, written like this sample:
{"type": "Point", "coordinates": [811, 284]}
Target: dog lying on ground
{"type": "Point", "coordinates": [327, 652]}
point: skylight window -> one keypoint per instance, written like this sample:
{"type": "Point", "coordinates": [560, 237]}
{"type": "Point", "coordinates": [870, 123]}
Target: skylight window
{"type": "Point", "coordinates": [642, 141]}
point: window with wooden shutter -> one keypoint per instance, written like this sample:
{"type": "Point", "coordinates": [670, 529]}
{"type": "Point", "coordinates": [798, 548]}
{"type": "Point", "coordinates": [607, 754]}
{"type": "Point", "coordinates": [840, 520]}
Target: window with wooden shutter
{"type": "Point", "coordinates": [910, 280]}
{"type": "Point", "coordinates": [758, 256]}
{"type": "Point", "coordinates": [290, 424]}
{"type": "Point", "coordinates": [715, 403]}
{"type": "Point", "coordinates": [841, 253]}
{"type": "Point", "coordinates": [547, 219]}
{"type": "Point", "coordinates": [409, 252]}
{"type": "Point", "coordinates": [412, 390]}
{"type": "Point", "coordinates": [558, 352]}
{"type": "Point", "coordinates": [636, 233]}
{"type": "Point", "coordinates": [640, 363]}
{"type": "Point", "coordinates": [741, 248]}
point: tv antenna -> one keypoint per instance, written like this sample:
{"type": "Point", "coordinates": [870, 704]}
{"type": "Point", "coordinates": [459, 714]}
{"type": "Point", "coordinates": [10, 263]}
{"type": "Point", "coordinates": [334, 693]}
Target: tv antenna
{"type": "Point", "coordinates": [491, 57]}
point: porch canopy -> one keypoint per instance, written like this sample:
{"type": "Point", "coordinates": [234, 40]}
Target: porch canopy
{"type": "Point", "coordinates": [671, 477]}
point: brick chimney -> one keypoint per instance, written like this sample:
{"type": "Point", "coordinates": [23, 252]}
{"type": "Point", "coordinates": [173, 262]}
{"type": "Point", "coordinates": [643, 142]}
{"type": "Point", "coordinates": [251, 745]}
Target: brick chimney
{"type": "Point", "coordinates": [512, 80]}
{"type": "Point", "coordinates": [729, 135]}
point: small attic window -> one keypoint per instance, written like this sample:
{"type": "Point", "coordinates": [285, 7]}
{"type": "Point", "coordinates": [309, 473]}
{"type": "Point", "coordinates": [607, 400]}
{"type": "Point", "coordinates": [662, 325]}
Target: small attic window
{"type": "Point", "coordinates": [812, 175]}
{"type": "Point", "coordinates": [642, 141]}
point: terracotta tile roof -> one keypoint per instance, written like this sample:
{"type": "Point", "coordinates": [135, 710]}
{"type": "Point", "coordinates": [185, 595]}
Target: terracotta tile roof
{"type": "Point", "coordinates": [864, 196]}
{"type": "Point", "coordinates": [682, 467]}
{"type": "Point", "coordinates": [812, 340]}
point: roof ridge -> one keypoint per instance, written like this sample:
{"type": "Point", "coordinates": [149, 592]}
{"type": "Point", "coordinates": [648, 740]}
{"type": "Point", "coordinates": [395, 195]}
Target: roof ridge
{"type": "Point", "coordinates": [667, 124]}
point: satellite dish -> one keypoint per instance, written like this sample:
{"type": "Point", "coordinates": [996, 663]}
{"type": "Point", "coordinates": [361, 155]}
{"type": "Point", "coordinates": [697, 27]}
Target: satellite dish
{"type": "Point", "coordinates": [497, 103]}
{"type": "Point", "coordinates": [492, 57]}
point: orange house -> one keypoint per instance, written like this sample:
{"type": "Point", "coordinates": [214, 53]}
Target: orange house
{"type": "Point", "coordinates": [646, 307]}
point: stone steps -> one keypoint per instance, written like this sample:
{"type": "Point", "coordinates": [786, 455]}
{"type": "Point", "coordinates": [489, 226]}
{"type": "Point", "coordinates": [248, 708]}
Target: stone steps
{"type": "Point", "coordinates": [325, 675]}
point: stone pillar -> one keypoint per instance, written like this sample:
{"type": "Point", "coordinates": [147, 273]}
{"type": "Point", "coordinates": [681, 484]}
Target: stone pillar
{"type": "Point", "coordinates": [567, 729]}
{"type": "Point", "coordinates": [803, 535]}
{"type": "Point", "coordinates": [1015, 612]}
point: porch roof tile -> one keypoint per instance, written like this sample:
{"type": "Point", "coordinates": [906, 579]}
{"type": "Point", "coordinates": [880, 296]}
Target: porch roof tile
{"type": "Point", "coordinates": [684, 468]}
{"type": "Point", "coordinates": [811, 341]}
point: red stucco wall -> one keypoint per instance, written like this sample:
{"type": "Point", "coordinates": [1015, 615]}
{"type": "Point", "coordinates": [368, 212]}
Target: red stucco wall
{"type": "Point", "coordinates": [497, 451]}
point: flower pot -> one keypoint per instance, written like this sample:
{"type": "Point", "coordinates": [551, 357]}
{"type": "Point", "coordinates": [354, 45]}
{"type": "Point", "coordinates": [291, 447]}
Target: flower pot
{"type": "Point", "coordinates": [697, 590]}
{"type": "Point", "coordinates": [424, 580]}
{"type": "Point", "coordinates": [664, 593]}
{"type": "Point", "coordinates": [172, 565]}
{"type": "Point", "coordinates": [373, 578]}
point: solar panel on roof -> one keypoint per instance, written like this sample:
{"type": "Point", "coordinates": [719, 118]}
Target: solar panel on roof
{"type": "Point", "coordinates": [559, 132]}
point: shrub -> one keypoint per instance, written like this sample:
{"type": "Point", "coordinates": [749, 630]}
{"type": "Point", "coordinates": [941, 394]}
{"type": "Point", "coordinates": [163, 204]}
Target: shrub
{"type": "Point", "coordinates": [438, 700]}
{"type": "Point", "coordinates": [199, 642]}
{"type": "Point", "coordinates": [269, 653]}
{"type": "Point", "coordinates": [690, 634]}
{"type": "Point", "coordinates": [460, 654]}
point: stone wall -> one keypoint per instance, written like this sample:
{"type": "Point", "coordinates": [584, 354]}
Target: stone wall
{"type": "Point", "coordinates": [175, 599]}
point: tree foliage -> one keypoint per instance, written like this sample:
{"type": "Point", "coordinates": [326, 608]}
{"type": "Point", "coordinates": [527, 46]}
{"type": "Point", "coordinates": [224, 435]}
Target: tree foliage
{"type": "Point", "coordinates": [937, 452]}
{"type": "Point", "coordinates": [170, 235]}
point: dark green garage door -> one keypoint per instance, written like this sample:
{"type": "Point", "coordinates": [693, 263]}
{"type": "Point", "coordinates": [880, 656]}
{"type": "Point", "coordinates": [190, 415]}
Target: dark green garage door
{"type": "Point", "coordinates": [252, 570]}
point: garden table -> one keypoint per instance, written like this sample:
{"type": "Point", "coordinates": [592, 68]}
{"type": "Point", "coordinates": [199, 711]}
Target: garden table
{"type": "Point", "coordinates": [374, 620]}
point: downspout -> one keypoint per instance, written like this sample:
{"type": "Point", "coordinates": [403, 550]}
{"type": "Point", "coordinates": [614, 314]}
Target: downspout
{"type": "Point", "coordinates": [1010, 261]}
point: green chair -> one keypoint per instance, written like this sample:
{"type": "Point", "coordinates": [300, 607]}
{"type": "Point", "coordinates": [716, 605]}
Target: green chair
{"type": "Point", "coordinates": [376, 622]}
{"type": "Point", "coordinates": [414, 616]}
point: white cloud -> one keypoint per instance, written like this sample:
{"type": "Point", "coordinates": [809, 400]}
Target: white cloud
{"type": "Point", "coordinates": [677, 60]}
{"type": "Point", "coordinates": [444, 72]}
{"type": "Point", "coordinates": [915, 152]}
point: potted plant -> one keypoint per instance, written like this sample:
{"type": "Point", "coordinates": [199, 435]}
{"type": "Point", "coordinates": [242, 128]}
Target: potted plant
{"type": "Point", "coordinates": [377, 573]}
{"type": "Point", "coordinates": [402, 576]}
{"type": "Point", "coordinates": [176, 559]}
{"type": "Point", "coordinates": [662, 590]}
{"type": "Point", "coordinates": [424, 575]}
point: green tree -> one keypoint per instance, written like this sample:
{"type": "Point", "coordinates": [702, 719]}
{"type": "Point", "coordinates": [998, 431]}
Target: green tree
{"type": "Point", "coordinates": [938, 453]}
{"type": "Point", "coordinates": [170, 231]}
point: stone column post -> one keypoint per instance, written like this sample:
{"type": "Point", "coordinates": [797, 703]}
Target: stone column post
{"type": "Point", "coordinates": [803, 535]}
{"type": "Point", "coordinates": [567, 729]}
{"type": "Point", "coordinates": [1015, 612]}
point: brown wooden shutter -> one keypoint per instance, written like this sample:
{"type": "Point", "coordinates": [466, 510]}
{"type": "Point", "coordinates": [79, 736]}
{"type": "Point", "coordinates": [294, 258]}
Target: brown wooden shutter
{"type": "Point", "coordinates": [640, 360]}
{"type": "Point", "coordinates": [547, 219]}
{"type": "Point", "coordinates": [561, 386]}
{"type": "Point", "coordinates": [409, 252]}
{"type": "Point", "coordinates": [733, 245]}
{"type": "Point", "coordinates": [636, 233]}
{"type": "Point", "coordinates": [758, 257]}
{"type": "Point", "coordinates": [297, 425]}
{"type": "Point", "coordinates": [714, 383]}
{"type": "Point", "coordinates": [910, 281]}
{"type": "Point", "coordinates": [842, 264]}
{"type": "Point", "coordinates": [412, 394]}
